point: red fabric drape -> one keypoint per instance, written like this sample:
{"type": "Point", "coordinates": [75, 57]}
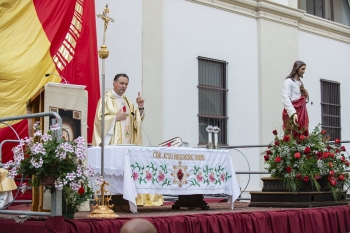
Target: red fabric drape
{"type": "Point", "coordinates": [303, 118]}
{"type": "Point", "coordinates": [314, 220]}
{"type": "Point", "coordinates": [55, 17]}
{"type": "Point", "coordinates": [7, 133]}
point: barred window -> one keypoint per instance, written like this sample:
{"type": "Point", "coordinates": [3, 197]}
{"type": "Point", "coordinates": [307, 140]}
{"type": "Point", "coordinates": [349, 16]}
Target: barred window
{"type": "Point", "coordinates": [330, 108]}
{"type": "Point", "coordinates": [212, 76]}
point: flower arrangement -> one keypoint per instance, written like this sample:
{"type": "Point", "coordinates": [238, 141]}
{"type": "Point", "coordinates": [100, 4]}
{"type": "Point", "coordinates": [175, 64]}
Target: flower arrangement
{"type": "Point", "coordinates": [300, 157]}
{"type": "Point", "coordinates": [47, 156]}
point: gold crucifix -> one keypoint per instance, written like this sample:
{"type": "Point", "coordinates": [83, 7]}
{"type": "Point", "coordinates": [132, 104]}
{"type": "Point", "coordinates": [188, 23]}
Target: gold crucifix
{"type": "Point", "coordinates": [105, 17]}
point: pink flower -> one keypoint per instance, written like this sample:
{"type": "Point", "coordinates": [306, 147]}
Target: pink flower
{"type": "Point", "coordinates": [148, 176]}
{"type": "Point", "coordinates": [222, 177]}
{"type": "Point", "coordinates": [199, 177]}
{"type": "Point", "coordinates": [161, 176]}
{"type": "Point", "coordinates": [211, 177]}
{"type": "Point", "coordinates": [135, 175]}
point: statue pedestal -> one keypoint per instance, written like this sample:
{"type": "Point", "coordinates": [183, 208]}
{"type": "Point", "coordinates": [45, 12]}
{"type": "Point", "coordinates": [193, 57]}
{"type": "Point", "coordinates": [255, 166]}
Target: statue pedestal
{"type": "Point", "coordinates": [274, 194]}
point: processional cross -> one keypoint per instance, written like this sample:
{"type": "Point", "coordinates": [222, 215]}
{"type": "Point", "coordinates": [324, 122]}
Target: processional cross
{"type": "Point", "coordinates": [103, 210]}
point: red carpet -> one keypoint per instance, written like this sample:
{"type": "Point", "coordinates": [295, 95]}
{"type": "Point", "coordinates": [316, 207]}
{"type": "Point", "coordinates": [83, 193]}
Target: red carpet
{"type": "Point", "coordinates": [313, 220]}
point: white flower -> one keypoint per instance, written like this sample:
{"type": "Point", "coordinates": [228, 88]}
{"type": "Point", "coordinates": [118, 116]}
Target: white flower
{"type": "Point", "coordinates": [99, 180]}
{"type": "Point", "coordinates": [54, 127]}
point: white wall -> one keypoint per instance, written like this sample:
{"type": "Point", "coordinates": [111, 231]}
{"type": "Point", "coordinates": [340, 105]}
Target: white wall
{"type": "Point", "coordinates": [124, 42]}
{"type": "Point", "coordinates": [192, 30]}
{"type": "Point", "coordinates": [326, 59]}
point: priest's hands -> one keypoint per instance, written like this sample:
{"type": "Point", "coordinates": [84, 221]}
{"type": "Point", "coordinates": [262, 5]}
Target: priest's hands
{"type": "Point", "coordinates": [140, 101]}
{"type": "Point", "coordinates": [120, 116]}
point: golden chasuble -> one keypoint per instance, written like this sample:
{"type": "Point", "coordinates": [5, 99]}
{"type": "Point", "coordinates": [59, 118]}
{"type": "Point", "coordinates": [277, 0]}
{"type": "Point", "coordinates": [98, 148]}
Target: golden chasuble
{"type": "Point", "coordinates": [111, 110]}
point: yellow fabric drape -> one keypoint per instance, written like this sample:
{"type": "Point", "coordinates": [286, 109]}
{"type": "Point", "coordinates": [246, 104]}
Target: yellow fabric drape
{"type": "Point", "coordinates": [6, 184]}
{"type": "Point", "coordinates": [24, 56]}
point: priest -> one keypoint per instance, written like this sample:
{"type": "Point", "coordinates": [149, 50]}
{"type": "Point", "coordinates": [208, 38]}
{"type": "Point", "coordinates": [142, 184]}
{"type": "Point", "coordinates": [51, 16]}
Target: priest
{"type": "Point", "coordinates": [122, 125]}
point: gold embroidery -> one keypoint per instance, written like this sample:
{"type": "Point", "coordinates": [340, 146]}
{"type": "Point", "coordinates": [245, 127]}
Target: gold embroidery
{"type": "Point", "coordinates": [180, 174]}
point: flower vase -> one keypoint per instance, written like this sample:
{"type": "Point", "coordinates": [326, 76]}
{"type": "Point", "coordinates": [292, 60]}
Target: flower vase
{"type": "Point", "coordinates": [47, 180]}
{"type": "Point", "coordinates": [67, 213]}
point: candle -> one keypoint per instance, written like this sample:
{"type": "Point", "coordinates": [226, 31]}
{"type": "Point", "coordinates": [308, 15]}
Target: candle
{"type": "Point", "coordinates": [215, 140]}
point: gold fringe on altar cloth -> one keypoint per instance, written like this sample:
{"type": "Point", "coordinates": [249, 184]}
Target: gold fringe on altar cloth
{"type": "Point", "coordinates": [149, 200]}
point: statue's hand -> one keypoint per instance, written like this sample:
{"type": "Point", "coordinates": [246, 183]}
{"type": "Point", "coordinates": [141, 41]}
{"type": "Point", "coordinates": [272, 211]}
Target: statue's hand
{"type": "Point", "coordinates": [295, 119]}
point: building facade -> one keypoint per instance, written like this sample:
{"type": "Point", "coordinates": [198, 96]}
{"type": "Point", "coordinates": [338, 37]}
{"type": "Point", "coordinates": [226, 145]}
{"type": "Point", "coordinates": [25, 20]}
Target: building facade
{"type": "Point", "coordinates": [199, 62]}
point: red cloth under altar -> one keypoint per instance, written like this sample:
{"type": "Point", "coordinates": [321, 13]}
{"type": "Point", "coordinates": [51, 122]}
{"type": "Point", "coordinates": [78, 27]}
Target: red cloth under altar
{"type": "Point", "coordinates": [314, 220]}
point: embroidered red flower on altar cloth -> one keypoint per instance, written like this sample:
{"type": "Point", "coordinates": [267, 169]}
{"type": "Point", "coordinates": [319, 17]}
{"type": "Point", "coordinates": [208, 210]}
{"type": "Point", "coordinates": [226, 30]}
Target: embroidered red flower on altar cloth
{"type": "Point", "coordinates": [135, 175]}
{"type": "Point", "coordinates": [161, 176]}
{"type": "Point", "coordinates": [211, 177]}
{"type": "Point", "coordinates": [148, 176]}
{"type": "Point", "coordinates": [222, 177]}
{"type": "Point", "coordinates": [199, 177]}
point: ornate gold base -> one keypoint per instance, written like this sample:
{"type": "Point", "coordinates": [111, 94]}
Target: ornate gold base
{"type": "Point", "coordinates": [102, 211]}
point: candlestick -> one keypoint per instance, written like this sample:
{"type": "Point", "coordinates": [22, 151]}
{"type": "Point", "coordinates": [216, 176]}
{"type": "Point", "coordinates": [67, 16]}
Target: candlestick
{"type": "Point", "coordinates": [216, 130]}
{"type": "Point", "coordinates": [209, 129]}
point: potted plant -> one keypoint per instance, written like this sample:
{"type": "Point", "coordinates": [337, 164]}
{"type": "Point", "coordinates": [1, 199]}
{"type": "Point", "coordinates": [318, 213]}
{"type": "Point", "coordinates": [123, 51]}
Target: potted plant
{"type": "Point", "coordinates": [302, 159]}
{"type": "Point", "coordinates": [53, 162]}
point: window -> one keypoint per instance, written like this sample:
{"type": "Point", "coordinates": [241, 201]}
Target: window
{"type": "Point", "coordinates": [212, 101]}
{"type": "Point", "coordinates": [330, 108]}
{"type": "Point", "coordinates": [335, 10]}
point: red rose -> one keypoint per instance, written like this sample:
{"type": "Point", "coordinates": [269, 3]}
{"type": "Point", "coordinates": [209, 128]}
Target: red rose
{"type": "Point", "coordinates": [302, 137]}
{"type": "Point", "coordinates": [317, 176]}
{"type": "Point", "coordinates": [341, 177]}
{"type": "Point", "coordinates": [268, 152]}
{"type": "Point", "coordinates": [331, 172]}
{"type": "Point", "coordinates": [269, 146]}
{"type": "Point", "coordinates": [342, 148]}
{"type": "Point", "coordinates": [81, 190]}
{"type": "Point", "coordinates": [325, 154]}
{"type": "Point", "coordinates": [328, 147]}
{"type": "Point", "coordinates": [278, 159]}
{"type": "Point", "coordinates": [346, 163]}
{"type": "Point", "coordinates": [307, 150]}
{"type": "Point", "coordinates": [337, 141]}
{"type": "Point", "coordinates": [298, 176]}
{"type": "Point", "coordinates": [288, 169]}
{"type": "Point", "coordinates": [319, 154]}
{"type": "Point", "coordinates": [331, 155]}
{"type": "Point", "coordinates": [266, 157]}
{"type": "Point", "coordinates": [277, 143]}
{"type": "Point", "coordinates": [297, 155]}
{"type": "Point", "coordinates": [330, 164]}
{"type": "Point", "coordinates": [274, 132]}
{"type": "Point", "coordinates": [286, 138]}
{"type": "Point", "coordinates": [323, 132]}
{"type": "Point", "coordinates": [337, 150]}
{"type": "Point", "coordinates": [342, 158]}
{"type": "Point", "coordinates": [306, 179]}
{"type": "Point", "coordinates": [332, 181]}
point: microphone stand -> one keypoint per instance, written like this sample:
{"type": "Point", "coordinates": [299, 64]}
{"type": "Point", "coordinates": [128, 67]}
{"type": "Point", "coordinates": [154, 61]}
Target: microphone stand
{"type": "Point", "coordinates": [149, 141]}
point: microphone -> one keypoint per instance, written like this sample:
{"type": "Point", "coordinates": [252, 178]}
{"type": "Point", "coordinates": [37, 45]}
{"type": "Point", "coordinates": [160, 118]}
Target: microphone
{"type": "Point", "coordinates": [65, 81]}
{"type": "Point", "coordinates": [149, 141]}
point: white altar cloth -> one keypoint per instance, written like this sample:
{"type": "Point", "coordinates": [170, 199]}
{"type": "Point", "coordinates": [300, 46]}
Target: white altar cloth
{"type": "Point", "coordinates": [132, 170]}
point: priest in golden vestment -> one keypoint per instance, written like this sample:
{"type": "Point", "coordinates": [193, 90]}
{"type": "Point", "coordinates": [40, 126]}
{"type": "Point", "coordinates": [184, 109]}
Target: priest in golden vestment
{"type": "Point", "coordinates": [122, 125]}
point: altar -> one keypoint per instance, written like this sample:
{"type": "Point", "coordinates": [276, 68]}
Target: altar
{"type": "Point", "coordinates": [132, 170]}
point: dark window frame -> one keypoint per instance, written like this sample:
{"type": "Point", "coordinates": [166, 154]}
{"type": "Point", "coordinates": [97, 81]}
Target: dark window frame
{"type": "Point", "coordinates": [220, 120]}
{"type": "Point", "coordinates": [331, 108]}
